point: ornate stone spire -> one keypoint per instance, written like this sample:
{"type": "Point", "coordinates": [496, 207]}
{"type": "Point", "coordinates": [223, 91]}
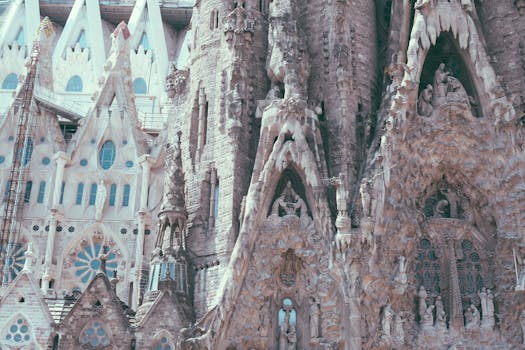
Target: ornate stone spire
{"type": "Point", "coordinates": [173, 209]}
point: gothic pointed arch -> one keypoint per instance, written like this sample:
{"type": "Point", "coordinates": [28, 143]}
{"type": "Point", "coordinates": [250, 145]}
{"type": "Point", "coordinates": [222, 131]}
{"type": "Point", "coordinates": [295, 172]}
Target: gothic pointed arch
{"type": "Point", "coordinates": [18, 332]}
{"type": "Point", "coordinates": [431, 22]}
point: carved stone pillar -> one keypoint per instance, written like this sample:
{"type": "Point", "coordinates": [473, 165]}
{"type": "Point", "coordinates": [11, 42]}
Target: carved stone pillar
{"type": "Point", "coordinates": [61, 160]}
{"type": "Point", "coordinates": [456, 309]}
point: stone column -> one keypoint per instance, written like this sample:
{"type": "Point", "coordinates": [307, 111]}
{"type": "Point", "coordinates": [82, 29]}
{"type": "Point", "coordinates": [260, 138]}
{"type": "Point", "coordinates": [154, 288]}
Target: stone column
{"type": "Point", "coordinates": [213, 183]}
{"type": "Point", "coordinates": [145, 162]}
{"type": "Point", "coordinates": [60, 159]}
{"type": "Point", "coordinates": [456, 309]}
{"type": "Point", "coordinates": [202, 121]}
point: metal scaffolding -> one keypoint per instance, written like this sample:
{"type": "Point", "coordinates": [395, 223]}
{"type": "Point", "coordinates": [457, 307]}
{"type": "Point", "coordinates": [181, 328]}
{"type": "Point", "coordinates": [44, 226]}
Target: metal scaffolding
{"type": "Point", "coordinates": [14, 201]}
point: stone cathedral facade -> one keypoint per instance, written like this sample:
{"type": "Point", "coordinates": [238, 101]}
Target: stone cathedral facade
{"type": "Point", "coordinates": [262, 174]}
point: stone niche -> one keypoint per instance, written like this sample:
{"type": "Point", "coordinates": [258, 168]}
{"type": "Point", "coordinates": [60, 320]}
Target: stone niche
{"type": "Point", "coordinates": [456, 86]}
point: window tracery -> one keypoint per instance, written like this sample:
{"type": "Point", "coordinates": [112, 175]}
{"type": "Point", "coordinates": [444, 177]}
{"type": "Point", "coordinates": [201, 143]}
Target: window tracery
{"type": "Point", "coordinates": [17, 333]}
{"type": "Point", "coordinates": [88, 261]}
{"type": "Point", "coordinates": [107, 154]}
{"type": "Point", "coordinates": [16, 260]}
{"type": "Point", "coordinates": [163, 344]}
{"type": "Point", "coordinates": [94, 335]}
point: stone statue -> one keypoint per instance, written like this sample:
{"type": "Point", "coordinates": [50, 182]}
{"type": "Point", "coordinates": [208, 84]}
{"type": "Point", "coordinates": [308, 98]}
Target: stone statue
{"type": "Point", "coordinates": [287, 61]}
{"type": "Point", "coordinates": [399, 332]}
{"type": "Point", "coordinates": [364, 190]}
{"type": "Point", "coordinates": [401, 274]}
{"type": "Point", "coordinates": [424, 104]}
{"type": "Point", "coordinates": [287, 332]}
{"type": "Point", "coordinates": [487, 307]}
{"type": "Point", "coordinates": [289, 202]}
{"type": "Point", "coordinates": [472, 317]}
{"type": "Point", "coordinates": [315, 314]}
{"type": "Point", "coordinates": [386, 321]}
{"type": "Point", "coordinates": [522, 324]}
{"type": "Point", "coordinates": [456, 92]}
{"type": "Point", "coordinates": [100, 200]}
{"type": "Point", "coordinates": [426, 313]}
{"type": "Point", "coordinates": [440, 86]}
{"type": "Point", "coordinates": [520, 275]}
{"type": "Point", "coordinates": [441, 316]}
{"type": "Point", "coordinates": [440, 209]}
{"type": "Point", "coordinates": [447, 89]}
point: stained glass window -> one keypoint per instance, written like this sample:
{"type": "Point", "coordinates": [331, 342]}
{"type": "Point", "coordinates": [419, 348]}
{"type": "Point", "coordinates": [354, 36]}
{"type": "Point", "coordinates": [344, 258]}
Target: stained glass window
{"type": "Point", "coordinates": [469, 270]}
{"type": "Point", "coordinates": [74, 84]}
{"type": "Point", "coordinates": [107, 154]}
{"type": "Point", "coordinates": [140, 86]}
{"type": "Point", "coordinates": [94, 335]}
{"type": "Point", "coordinates": [80, 193]}
{"type": "Point", "coordinates": [93, 194]}
{"type": "Point", "coordinates": [27, 194]}
{"type": "Point", "coordinates": [163, 344]}
{"type": "Point", "coordinates": [18, 333]}
{"type": "Point", "coordinates": [88, 264]}
{"type": "Point", "coordinates": [41, 192]}
{"type": "Point", "coordinates": [125, 196]}
{"type": "Point", "coordinates": [112, 194]}
{"type": "Point", "coordinates": [427, 267]}
{"type": "Point", "coordinates": [10, 82]}
{"type": "Point", "coordinates": [15, 261]}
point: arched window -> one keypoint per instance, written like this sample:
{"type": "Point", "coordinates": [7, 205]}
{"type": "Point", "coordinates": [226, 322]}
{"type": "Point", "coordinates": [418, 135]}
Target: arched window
{"type": "Point", "coordinates": [216, 200]}
{"type": "Point", "coordinates": [41, 192]}
{"type": "Point", "coordinates": [27, 194]}
{"type": "Point", "coordinates": [80, 193]}
{"type": "Point", "coordinates": [94, 335]}
{"type": "Point", "coordinates": [112, 194]}
{"type": "Point", "coordinates": [10, 82]}
{"type": "Point", "coordinates": [93, 194]}
{"type": "Point", "coordinates": [163, 344]}
{"type": "Point", "coordinates": [74, 84]}
{"type": "Point", "coordinates": [28, 152]}
{"type": "Point", "coordinates": [107, 154]}
{"type": "Point", "coordinates": [62, 188]}
{"type": "Point", "coordinates": [87, 261]}
{"type": "Point", "coordinates": [428, 267]}
{"type": "Point", "coordinates": [125, 196]}
{"type": "Point", "coordinates": [140, 86]}
{"type": "Point", "coordinates": [17, 333]}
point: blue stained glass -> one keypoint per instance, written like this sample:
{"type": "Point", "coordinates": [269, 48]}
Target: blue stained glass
{"type": "Point", "coordinates": [101, 332]}
{"type": "Point", "coordinates": [74, 84]}
{"type": "Point", "coordinates": [27, 337]}
{"type": "Point", "coordinates": [86, 278]}
{"type": "Point", "coordinates": [94, 341]}
{"type": "Point", "coordinates": [112, 194]}
{"type": "Point", "coordinates": [46, 160]}
{"type": "Point", "coordinates": [125, 197]}
{"type": "Point", "coordinates": [18, 337]}
{"type": "Point", "coordinates": [163, 340]}
{"type": "Point", "coordinates": [41, 192]}
{"type": "Point", "coordinates": [140, 86]}
{"type": "Point", "coordinates": [10, 82]}
{"type": "Point", "coordinates": [107, 154]}
{"type": "Point", "coordinates": [158, 347]}
{"type": "Point", "coordinates": [14, 328]}
{"type": "Point", "coordinates": [19, 321]}
{"type": "Point", "coordinates": [62, 188]}
{"type": "Point", "coordinates": [27, 194]}
{"type": "Point", "coordinates": [81, 272]}
{"type": "Point", "coordinates": [2, 159]}
{"type": "Point", "coordinates": [79, 263]}
{"type": "Point", "coordinates": [97, 249]}
{"type": "Point", "coordinates": [129, 164]}
{"type": "Point", "coordinates": [96, 324]}
{"type": "Point", "coordinates": [144, 41]}
{"type": "Point", "coordinates": [89, 251]}
{"type": "Point", "coordinates": [93, 194]}
{"type": "Point", "coordinates": [112, 265]}
{"type": "Point", "coordinates": [95, 264]}
{"type": "Point", "coordinates": [83, 255]}
{"type": "Point", "coordinates": [80, 192]}
{"type": "Point", "coordinates": [83, 162]}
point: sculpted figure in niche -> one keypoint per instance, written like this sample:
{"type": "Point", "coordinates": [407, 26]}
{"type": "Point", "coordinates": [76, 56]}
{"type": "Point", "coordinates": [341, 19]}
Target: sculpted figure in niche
{"type": "Point", "coordinates": [401, 274]}
{"type": "Point", "coordinates": [520, 271]}
{"type": "Point", "coordinates": [287, 331]}
{"type": "Point", "coordinates": [424, 104]}
{"type": "Point", "coordinates": [100, 200]}
{"type": "Point", "coordinates": [472, 317]}
{"type": "Point", "coordinates": [399, 332]}
{"type": "Point", "coordinates": [386, 322]}
{"type": "Point", "coordinates": [487, 307]}
{"type": "Point", "coordinates": [441, 316]}
{"type": "Point", "coordinates": [426, 313]}
{"type": "Point", "coordinates": [289, 203]}
{"type": "Point", "coordinates": [315, 314]}
{"type": "Point", "coordinates": [447, 89]}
